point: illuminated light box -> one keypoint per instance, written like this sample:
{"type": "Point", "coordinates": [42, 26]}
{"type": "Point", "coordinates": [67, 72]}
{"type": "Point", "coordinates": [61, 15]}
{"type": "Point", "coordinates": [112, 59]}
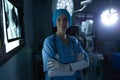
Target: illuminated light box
{"type": "Point", "coordinates": [12, 21]}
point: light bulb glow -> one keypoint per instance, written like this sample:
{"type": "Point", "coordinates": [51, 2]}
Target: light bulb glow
{"type": "Point", "coordinates": [109, 17]}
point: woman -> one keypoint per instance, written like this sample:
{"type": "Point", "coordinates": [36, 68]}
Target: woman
{"type": "Point", "coordinates": [63, 56]}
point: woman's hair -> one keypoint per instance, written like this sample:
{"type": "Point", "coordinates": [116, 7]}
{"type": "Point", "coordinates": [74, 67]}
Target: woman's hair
{"type": "Point", "coordinates": [59, 12]}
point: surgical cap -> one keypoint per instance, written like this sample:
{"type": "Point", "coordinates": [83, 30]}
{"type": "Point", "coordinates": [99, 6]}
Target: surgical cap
{"type": "Point", "coordinates": [59, 12]}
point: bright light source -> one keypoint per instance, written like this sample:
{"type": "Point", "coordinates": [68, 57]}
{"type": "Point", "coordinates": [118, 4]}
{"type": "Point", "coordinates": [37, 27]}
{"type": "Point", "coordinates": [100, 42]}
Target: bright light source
{"type": "Point", "coordinates": [9, 45]}
{"type": "Point", "coordinates": [109, 17]}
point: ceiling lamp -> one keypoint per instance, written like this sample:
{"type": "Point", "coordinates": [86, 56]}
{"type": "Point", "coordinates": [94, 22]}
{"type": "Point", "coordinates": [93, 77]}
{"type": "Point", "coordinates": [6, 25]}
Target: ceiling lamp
{"type": "Point", "coordinates": [109, 17]}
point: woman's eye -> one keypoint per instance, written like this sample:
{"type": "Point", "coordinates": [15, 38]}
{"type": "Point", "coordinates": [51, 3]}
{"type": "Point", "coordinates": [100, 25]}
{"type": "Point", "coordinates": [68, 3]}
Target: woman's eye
{"type": "Point", "coordinates": [59, 19]}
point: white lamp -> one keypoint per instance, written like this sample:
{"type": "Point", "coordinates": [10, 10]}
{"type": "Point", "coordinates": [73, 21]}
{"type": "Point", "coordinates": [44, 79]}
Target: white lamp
{"type": "Point", "coordinates": [84, 4]}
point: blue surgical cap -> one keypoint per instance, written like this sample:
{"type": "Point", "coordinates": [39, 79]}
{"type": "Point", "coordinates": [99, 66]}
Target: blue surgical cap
{"type": "Point", "coordinates": [59, 12]}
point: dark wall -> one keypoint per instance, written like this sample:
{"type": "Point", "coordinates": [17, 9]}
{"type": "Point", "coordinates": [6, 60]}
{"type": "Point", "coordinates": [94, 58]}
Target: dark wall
{"type": "Point", "coordinates": [42, 20]}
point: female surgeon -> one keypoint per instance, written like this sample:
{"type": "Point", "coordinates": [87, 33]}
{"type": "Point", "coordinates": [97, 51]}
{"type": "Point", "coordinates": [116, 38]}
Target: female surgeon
{"type": "Point", "coordinates": [63, 57]}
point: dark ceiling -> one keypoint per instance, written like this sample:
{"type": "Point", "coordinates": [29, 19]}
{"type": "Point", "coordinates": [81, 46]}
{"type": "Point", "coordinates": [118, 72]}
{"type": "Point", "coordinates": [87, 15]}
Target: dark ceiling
{"type": "Point", "coordinates": [96, 6]}
{"type": "Point", "coordinates": [99, 5]}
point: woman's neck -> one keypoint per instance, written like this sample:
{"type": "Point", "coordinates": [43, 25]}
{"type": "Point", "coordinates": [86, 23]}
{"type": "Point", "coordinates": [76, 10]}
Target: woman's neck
{"type": "Point", "coordinates": [63, 36]}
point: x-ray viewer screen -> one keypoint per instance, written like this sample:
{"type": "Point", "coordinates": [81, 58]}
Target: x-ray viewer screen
{"type": "Point", "coordinates": [13, 30]}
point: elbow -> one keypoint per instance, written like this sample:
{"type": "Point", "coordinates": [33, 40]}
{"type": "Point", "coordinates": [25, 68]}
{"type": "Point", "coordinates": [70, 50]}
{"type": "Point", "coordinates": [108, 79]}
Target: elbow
{"type": "Point", "coordinates": [87, 64]}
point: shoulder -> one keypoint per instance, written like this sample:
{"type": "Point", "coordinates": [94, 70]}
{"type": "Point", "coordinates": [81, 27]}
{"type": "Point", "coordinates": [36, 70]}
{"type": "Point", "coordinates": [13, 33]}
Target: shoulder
{"type": "Point", "coordinates": [49, 39]}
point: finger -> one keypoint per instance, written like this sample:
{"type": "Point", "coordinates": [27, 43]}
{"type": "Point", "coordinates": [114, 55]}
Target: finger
{"type": "Point", "coordinates": [50, 64]}
{"type": "Point", "coordinates": [79, 54]}
{"type": "Point", "coordinates": [50, 59]}
{"type": "Point", "coordinates": [80, 57]}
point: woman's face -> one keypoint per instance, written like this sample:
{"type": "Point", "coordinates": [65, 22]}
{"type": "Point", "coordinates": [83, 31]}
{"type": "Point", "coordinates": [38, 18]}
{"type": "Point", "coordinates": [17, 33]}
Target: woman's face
{"type": "Point", "coordinates": [62, 23]}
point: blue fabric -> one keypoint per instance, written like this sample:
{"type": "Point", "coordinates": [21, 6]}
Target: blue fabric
{"type": "Point", "coordinates": [115, 61]}
{"type": "Point", "coordinates": [59, 12]}
{"type": "Point", "coordinates": [67, 54]}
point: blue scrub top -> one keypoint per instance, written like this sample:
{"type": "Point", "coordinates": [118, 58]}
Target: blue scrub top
{"type": "Point", "coordinates": [67, 53]}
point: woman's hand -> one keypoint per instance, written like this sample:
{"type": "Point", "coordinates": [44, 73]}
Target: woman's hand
{"type": "Point", "coordinates": [80, 57]}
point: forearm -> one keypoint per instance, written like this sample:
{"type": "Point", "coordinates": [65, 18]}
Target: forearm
{"type": "Point", "coordinates": [64, 71]}
{"type": "Point", "coordinates": [57, 72]}
{"type": "Point", "coordinates": [58, 69]}
{"type": "Point", "coordinates": [79, 65]}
